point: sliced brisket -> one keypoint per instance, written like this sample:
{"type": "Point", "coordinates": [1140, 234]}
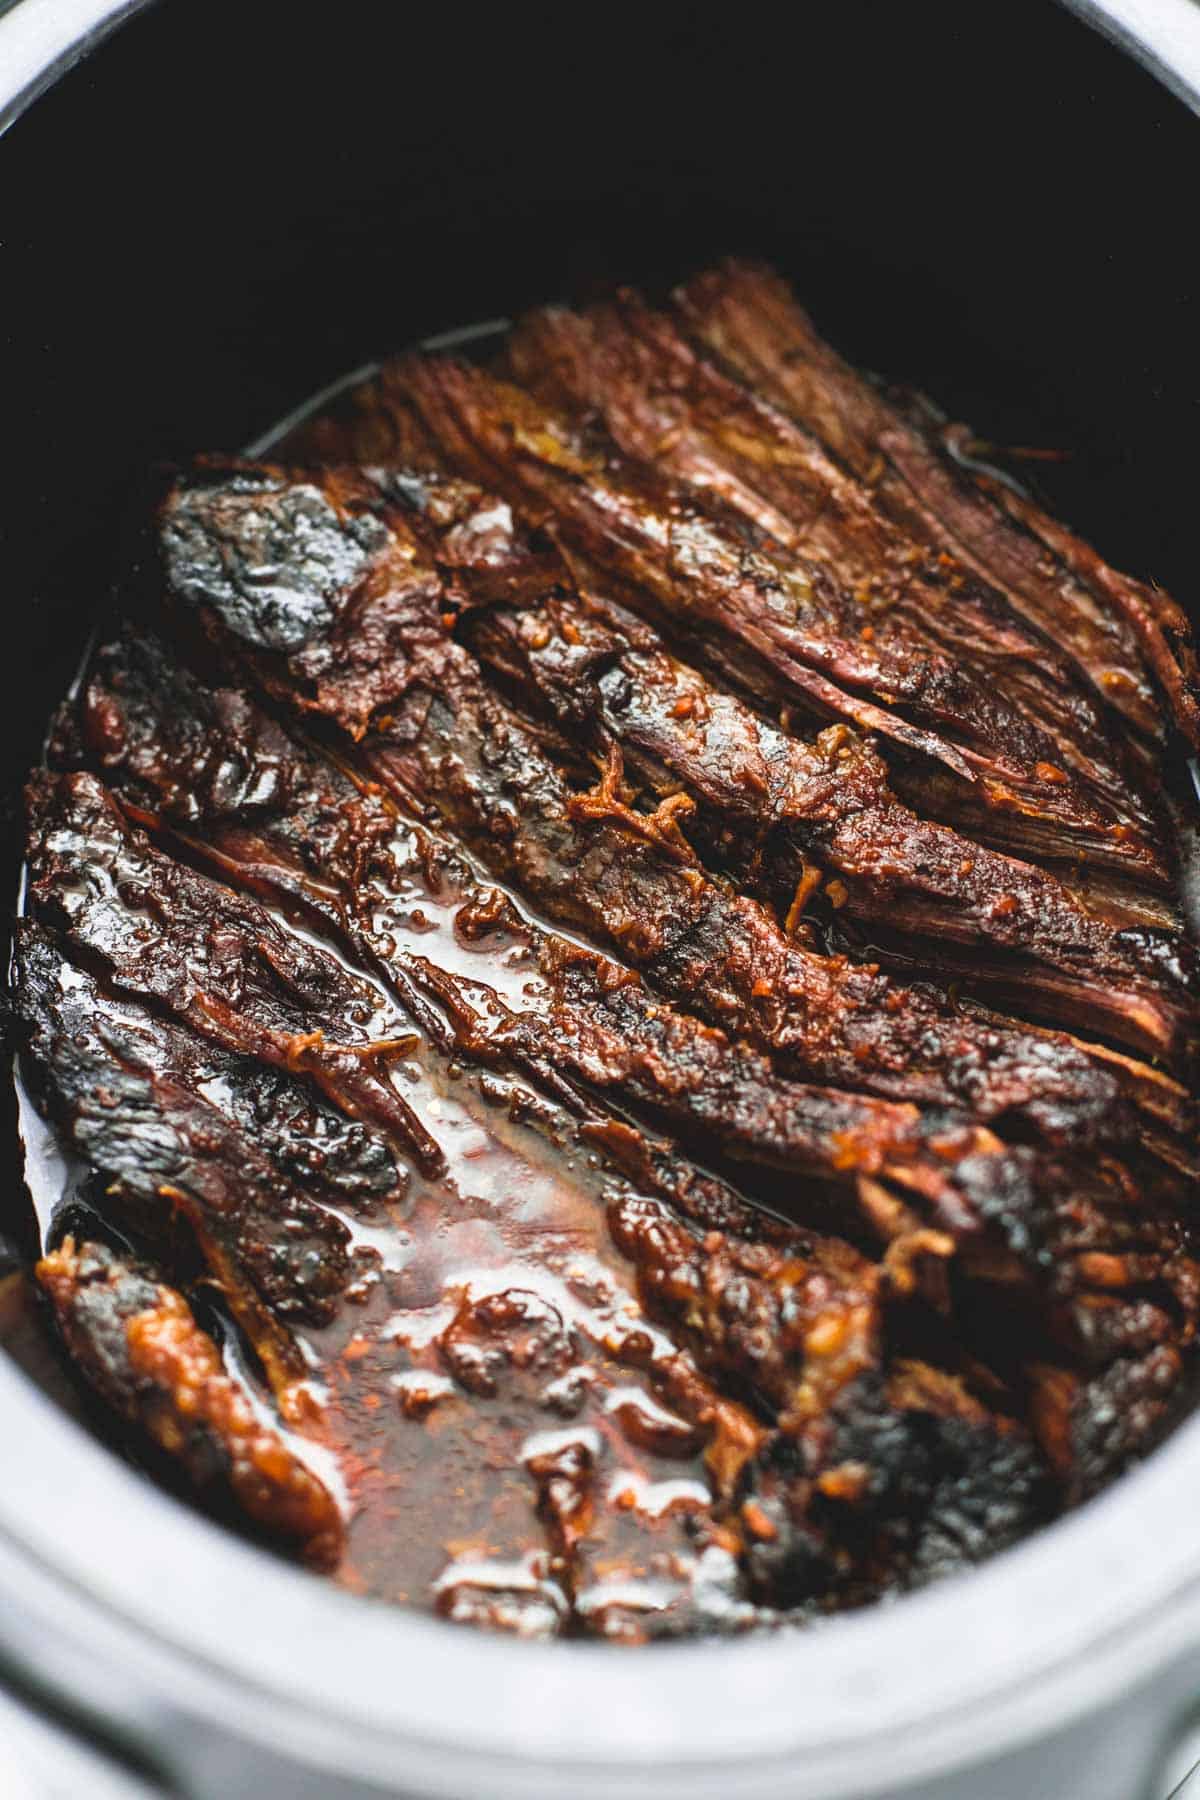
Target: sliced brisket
{"type": "Point", "coordinates": [1124, 635]}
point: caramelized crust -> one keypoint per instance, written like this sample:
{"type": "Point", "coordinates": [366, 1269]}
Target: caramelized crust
{"type": "Point", "coordinates": [559, 1075]}
{"type": "Point", "coordinates": [142, 1351]}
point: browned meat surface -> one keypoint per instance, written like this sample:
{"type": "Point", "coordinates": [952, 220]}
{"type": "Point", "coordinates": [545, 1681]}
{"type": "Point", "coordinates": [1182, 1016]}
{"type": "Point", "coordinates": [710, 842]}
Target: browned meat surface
{"type": "Point", "coordinates": [540, 1148]}
{"type": "Point", "coordinates": [773, 620]}
{"type": "Point", "coordinates": [252, 988]}
{"type": "Point", "coordinates": [1124, 636]}
{"type": "Point", "coordinates": [443, 737]}
{"type": "Point", "coordinates": [510, 989]}
{"type": "Point", "coordinates": [801, 817]}
{"type": "Point", "coordinates": [782, 1315]}
{"type": "Point", "coordinates": [190, 1136]}
{"type": "Point", "coordinates": [266, 813]}
{"type": "Point", "coordinates": [662, 402]}
{"type": "Point", "coordinates": [142, 1351]}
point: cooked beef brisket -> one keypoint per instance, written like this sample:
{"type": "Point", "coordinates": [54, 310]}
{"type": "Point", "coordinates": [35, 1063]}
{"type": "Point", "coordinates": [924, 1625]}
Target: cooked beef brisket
{"type": "Point", "coordinates": [796, 814]}
{"type": "Point", "coordinates": [443, 737]}
{"type": "Point", "coordinates": [774, 620]}
{"type": "Point", "coordinates": [267, 814]}
{"type": "Point", "coordinates": [662, 402]}
{"type": "Point", "coordinates": [1123, 635]}
{"type": "Point", "coordinates": [448, 834]}
{"type": "Point", "coordinates": [141, 1349]}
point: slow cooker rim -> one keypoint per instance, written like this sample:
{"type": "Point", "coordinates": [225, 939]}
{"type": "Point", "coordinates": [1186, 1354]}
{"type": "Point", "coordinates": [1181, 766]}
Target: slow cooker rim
{"type": "Point", "coordinates": [1163, 35]}
{"type": "Point", "coordinates": [1035, 1639]}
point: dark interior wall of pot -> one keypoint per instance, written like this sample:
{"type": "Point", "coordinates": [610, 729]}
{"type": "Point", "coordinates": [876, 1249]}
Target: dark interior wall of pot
{"type": "Point", "coordinates": [235, 200]}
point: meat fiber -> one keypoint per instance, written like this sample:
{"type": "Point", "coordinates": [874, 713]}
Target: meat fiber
{"type": "Point", "coordinates": [266, 813]}
{"type": "Point", "coordinates": [604, 952]}
{"type": "Point", "coordinates": [780, 626]}
{"type": "Point", "coordinates": [1124, 636]}
{"type": "Point", "coordinates": [592, 860]}
{"type": "Point", "coordinates": [661, 402]}
{"type": "Point", "coordinates": [802, 816]}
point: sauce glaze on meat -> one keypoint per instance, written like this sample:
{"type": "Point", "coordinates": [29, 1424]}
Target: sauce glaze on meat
{"type": "Point", "coordinates": [605, 935]}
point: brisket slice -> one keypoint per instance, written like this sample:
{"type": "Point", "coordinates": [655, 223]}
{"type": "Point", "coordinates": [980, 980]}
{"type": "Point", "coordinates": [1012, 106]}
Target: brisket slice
{"type": "Point", "coordinates": [212, 959]}
{"type": "Point", "coordinates": [127, 1090]}
{"type": "Point", "coordinates": [268, 814]}
{"type": "Point", "coordinates": [712, 578]}
{"type": "Point", "coordinates": [791, 813]}
{"type": "Point", "coordinates": [1120, 632]}
{"type": "Point", "coordinates": [594, 862]}
{"type": "Point", "coordinates": [343, 1164]}
{"type": "Point", "coordinates": [663, 402]}
{"type": "Point", "coordinates": [137, 1344]}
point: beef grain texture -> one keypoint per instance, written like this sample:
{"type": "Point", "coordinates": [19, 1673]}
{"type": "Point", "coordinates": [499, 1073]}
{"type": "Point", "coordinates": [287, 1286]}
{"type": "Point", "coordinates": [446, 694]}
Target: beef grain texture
{"type": "Point", "coordinates": [596, 864]}
{"type": "Point", "coordinates": [613, 929]}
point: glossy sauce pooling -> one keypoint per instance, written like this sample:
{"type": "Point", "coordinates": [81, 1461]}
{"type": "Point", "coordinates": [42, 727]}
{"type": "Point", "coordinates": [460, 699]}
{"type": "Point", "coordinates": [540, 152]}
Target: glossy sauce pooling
{"type": "Point", "coordinates": [518, 1441]}
{"type": "Point", "coordinates": [493, 1393]}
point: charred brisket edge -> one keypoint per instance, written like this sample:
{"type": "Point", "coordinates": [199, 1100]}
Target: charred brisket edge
{"type": "Point", "coordinates": [139, 1347]}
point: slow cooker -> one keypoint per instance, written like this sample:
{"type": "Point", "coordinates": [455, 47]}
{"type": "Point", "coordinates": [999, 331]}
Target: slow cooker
{"type": "Point", "coordinates": [213, 211]}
